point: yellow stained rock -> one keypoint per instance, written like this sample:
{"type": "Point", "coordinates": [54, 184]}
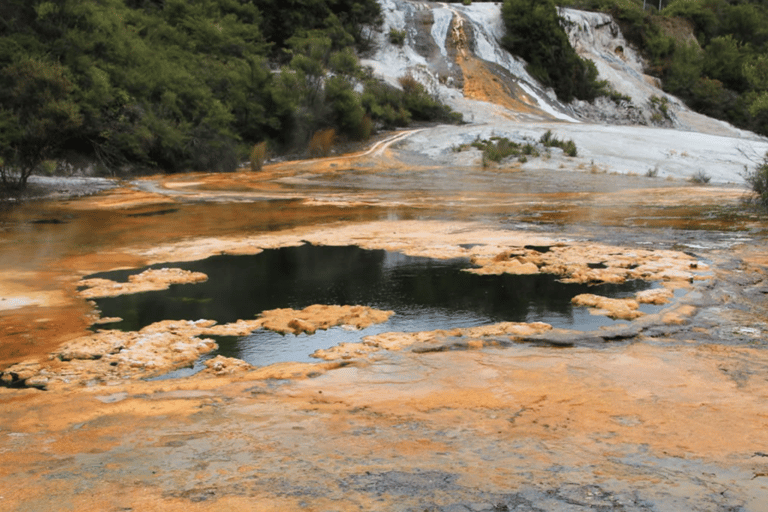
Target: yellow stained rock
{"type": "Point", "coordinates": [149, 280]}
{"type": "Point", "coordinates": [160, 347]}
{"type": "Point", "coordinates": [657, 296]}
{"type": "Point", "coordinates": [221, 365]}
{"type": "Point", "coordinates": [623, 309]}
{"type": "Point", "coordinates": [318, 316]}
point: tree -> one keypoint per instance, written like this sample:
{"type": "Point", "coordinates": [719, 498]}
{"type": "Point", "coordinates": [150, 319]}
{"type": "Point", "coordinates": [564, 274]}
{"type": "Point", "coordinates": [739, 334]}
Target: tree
{"type": "Point", "coordinates": [757, 74]}
{"type": "Point", "coordinates": [36, 114]}
{"type": "Point", "coordinates": [684, 69]}
{"type": "Point", "coordinates": [533, 32]}
{"type": "Point", "coordinates": [724, 61]}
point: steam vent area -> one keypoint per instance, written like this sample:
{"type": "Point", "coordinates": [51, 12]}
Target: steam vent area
{"type": "Point", "coordinates": [548, 306]}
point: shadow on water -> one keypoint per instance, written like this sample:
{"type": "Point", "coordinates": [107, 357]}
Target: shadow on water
{"type": "Point", "coordinates": [426, 294]}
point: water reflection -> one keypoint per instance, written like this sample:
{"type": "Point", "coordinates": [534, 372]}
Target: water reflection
{"type": "Point", "coordinates": [426, 294]}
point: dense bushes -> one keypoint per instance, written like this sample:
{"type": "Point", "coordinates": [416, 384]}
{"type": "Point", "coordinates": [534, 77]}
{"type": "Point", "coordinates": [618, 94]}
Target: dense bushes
{"type": "Point", "coordinates": [497, 149]}
{"type": "Point", "coordinates": [184, 84]}
{"type": "Point", "coordinates": [36, 110]}
{"type": "Point", "coordinates": [392, 107]}
{"type": "Point", "coordinates": [533, 32]}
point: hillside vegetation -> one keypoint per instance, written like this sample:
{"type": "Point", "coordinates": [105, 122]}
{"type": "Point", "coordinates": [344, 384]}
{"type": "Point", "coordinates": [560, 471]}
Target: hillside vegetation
{"type": "Point", "coordinates": [204, 84]}
{"type": "Point", "coordinates": [534, 32]}
{"type": "Point", "coordinates": [713, 54]}
{"type": "Point", "coordinates": [186, 84]}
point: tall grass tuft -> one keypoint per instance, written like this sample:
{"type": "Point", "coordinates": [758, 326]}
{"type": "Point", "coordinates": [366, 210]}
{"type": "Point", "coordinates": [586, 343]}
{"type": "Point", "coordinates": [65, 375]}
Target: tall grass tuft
{"type": "Point", "coordinates": [322, 142]}
{"type": "Point", "coordinates": [700, 177]}
{"type": "Point", "coordinates": [365, 129]}
{"type": "Point", "coordinates": [258, 155]}
{"type": "Point", "coordinates": [397, 37]}
{"type": "Point", "coordinates": [757, 179]}
{"type": "Point", "coordinates": [548, 139]}
{"type": "Point", "coordinates": [409, 84]}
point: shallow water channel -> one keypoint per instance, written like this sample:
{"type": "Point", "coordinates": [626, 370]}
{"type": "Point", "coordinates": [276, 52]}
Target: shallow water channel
{"type": "Point", "coordinates": [425, 294]}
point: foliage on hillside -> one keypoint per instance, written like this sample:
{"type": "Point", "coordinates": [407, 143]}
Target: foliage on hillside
{"type": "Point", "coordinates": [534, 32]}
{"type": "Point", "coordinates": [722, 71]}
{"type": "Point", "coordinates": [185, 84]}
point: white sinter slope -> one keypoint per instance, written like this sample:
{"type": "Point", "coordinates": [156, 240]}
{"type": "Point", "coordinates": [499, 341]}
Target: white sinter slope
{"type": "Point", "coordinates": [690, 145]}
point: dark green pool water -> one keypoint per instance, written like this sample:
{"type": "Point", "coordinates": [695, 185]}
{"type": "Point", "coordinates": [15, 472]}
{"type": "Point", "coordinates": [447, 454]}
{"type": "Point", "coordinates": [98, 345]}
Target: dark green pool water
{"type": "Point", "coordinates": [426, 294]}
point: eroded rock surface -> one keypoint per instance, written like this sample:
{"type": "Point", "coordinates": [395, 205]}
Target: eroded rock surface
{"type": "Point", "coordinates": [112, 355]}
{"type": "Point", "coordinates": [475, 338]}
{"type": "Point", "coordinates": [592, 263]}
{"type": "Point", "coordinates": [149, 280]}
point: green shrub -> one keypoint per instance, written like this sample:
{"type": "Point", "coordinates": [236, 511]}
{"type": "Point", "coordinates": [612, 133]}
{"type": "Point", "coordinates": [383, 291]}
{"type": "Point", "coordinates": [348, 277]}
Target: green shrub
{"type": "Point", "coordinates": [393, 108]}
{"type": "Point", "coordinates": [757, 179]}
{"type": "Point", "coordinates": [660, 106]}
{"type": "Point", "coordinates": [569, 148]}
{"type": "Point", "coordinates": [615, 96]}
{"type": "Point", "coordinates": [499, 149]}
{"type": "Point", "coordinates": [384, 104]}
{"type": "Point", "coordinates": [529, 149]}
{"type": "Point", "coordinates": [700, 177]}
{"type": "Point", "coordinates": [397, 37]}
{"type": "Point", "coordinates": [345, 105]}
{"type": "Point", "coordinates": [422, 106]}
{"type": "Point", "coordinates": [48, 167]}
{"type": "Point", "coordinates": [548, 139]}
{"type": "Point", "coordinates": [534, 32]}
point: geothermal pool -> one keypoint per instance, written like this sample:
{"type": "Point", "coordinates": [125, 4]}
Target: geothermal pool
{"type": "Point", "coordinates": [425, 294]}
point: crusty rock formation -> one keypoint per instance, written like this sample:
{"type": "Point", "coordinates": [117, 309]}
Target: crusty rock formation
{"type": "Point", "coordinates": [149, 280]}
{"type": "Point", "coordinates": [111, 355]}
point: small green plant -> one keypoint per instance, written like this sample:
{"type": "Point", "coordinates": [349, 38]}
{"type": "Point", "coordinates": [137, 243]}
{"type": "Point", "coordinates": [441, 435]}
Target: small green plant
{"type": "Point", "coordinates": [397, 37]}
{"type": "Point", "coordinates": [617, 97]}
{"type": "Point", "coordinates": [258, 155]}
{"type": "Point", "coordinates": [757, 179]}
{"type": "Point", "coordinates": [466, 2]}
{"type": "Point", "coordinates": [47, 167]}
{"type": "Point", "coordinates": [570, 148]}
{"type": "Point", "coordinates": [529, 149]}
{"type": "Point", "coordinates": [498, 148]}
{"type": "Point", "coordinates": [548, 139]}
{"type": "Point", "coordinates": [700, 177]}
{"type": "Point", "coordinates": [660, 106]}
{"type": "Point", "coordinates": [652, 173]}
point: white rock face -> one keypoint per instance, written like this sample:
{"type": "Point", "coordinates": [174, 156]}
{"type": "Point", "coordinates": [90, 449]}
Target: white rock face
{"type": "Point", "coordinates": [597, 37]}
{"type": "Point", "coordinates": [426, 54]}
{"type": "Point", "coordinates": [610, 137]}
{"type": "Point", "coordinates": [488, 29]}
